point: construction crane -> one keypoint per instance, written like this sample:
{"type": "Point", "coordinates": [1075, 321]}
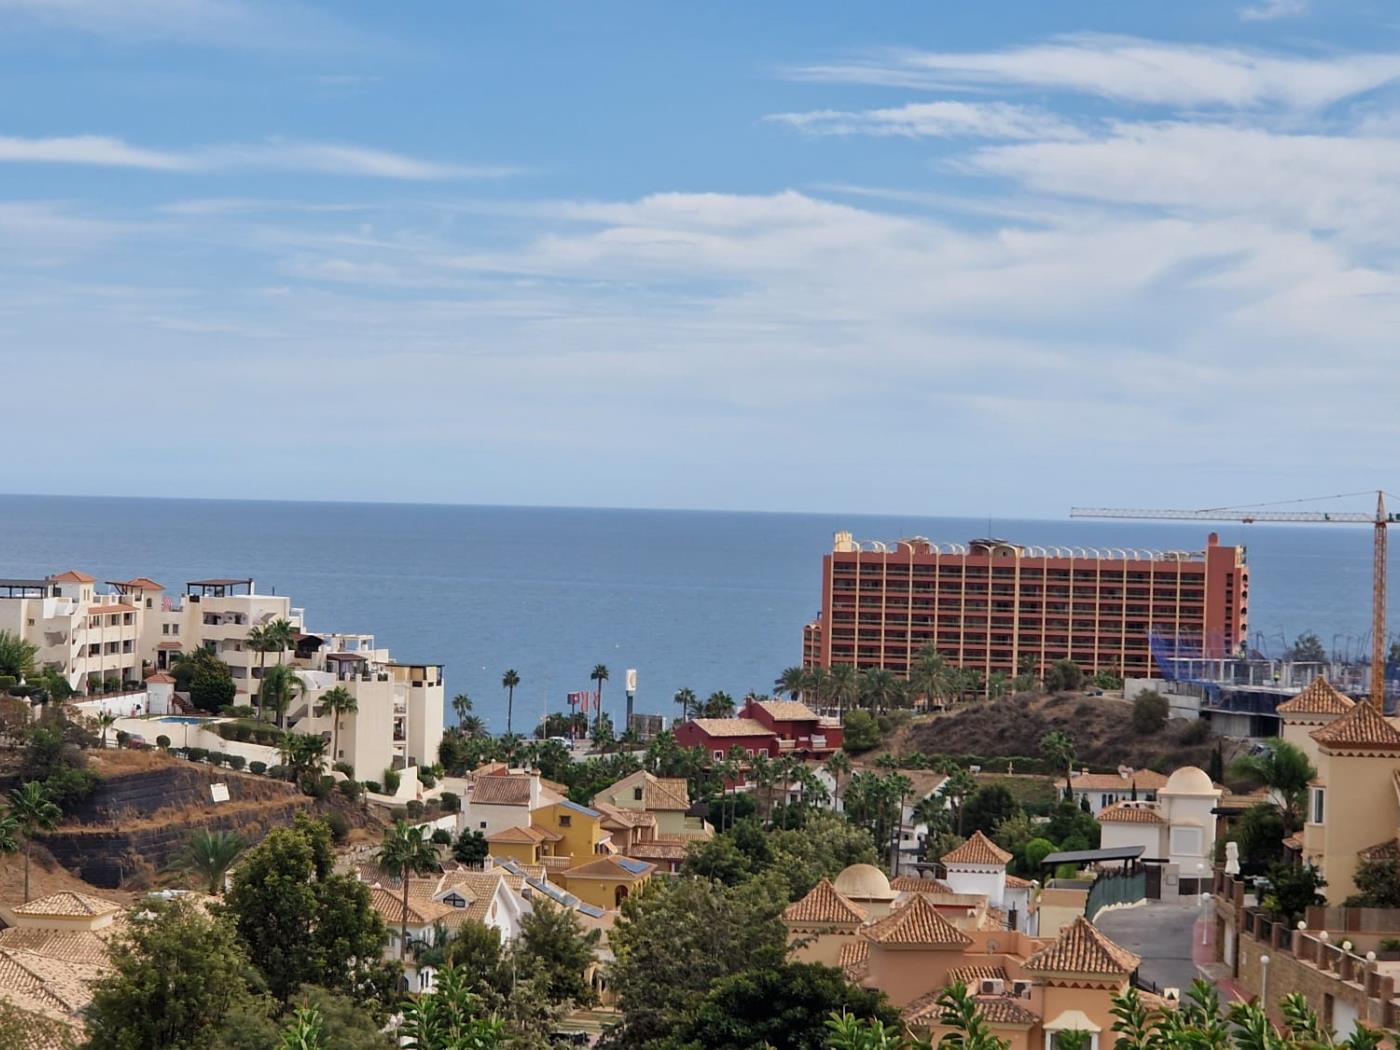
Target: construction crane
{"type": "Point", "coordinates": [1249, 514]}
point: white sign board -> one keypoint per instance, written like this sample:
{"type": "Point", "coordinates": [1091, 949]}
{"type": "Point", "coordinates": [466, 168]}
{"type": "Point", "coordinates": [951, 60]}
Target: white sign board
{"type": "Point", "coordinates": [631, 680]}
{"type": "Point", "coordinates": [218, 792]}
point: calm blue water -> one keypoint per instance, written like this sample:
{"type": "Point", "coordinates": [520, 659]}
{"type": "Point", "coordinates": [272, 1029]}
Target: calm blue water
{"type": "Point", "coordinates": [705, 600]}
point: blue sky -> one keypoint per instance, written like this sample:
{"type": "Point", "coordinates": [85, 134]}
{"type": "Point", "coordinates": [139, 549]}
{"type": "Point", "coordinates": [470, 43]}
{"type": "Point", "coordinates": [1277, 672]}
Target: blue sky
{"type": "Point", "coordinates": [912, 258]}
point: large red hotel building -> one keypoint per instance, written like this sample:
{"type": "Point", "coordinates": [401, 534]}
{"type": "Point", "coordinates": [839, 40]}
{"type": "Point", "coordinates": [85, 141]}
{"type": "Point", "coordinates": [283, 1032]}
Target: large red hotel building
{"type": "Point", "coordinates": [987, 604]}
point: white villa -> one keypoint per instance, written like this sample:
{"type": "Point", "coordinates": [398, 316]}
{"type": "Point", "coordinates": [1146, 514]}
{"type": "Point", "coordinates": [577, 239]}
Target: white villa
{"type": "Point", "coordinates": [131, 631]}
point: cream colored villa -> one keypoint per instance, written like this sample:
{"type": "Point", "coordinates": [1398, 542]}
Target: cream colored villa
{"type": "Point", "coordinates": [133, 628]}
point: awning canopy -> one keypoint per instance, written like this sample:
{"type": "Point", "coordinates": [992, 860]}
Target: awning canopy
{"type": "Point", "coordinates": [1071, 1021]}
{"type": "Point", "coordinates": [1089, 856]}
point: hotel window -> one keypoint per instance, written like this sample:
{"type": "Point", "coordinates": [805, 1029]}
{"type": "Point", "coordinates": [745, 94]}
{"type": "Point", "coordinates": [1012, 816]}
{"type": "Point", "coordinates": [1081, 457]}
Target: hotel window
{"type": "Point", "coordinates": [1318, 809]}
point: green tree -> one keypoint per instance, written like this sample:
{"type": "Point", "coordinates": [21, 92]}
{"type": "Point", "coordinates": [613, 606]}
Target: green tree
{"type": "Point", "coordinates": [688, 702]}
{"type": "Point", "coordinates": [988, 807]}
{"type": "Point", "coordinates": [1260, 835]}
{"type": "Point", "coordinates": [406, 852]}
{"type": "Point", "coordinates": [792, 681]}
{"type": "Point", "coordinates": [509, 681]}
{"type": "Point", "coordinates": [675, 938]}
{"type": "Point", "coordinates": [1377, 885]}
{"type": "Point", "coordinates": [784, 1007]}
{"type": "Point", "coordinates": [305, 1031]}
{"type": "Point", "coordinates": [1293, 889]}
{"type": "Point", "coordinates": [1064, 676]}
{"type": "Point", "coordinates": [861, 732]}
{"type": "Point", "coordinates": [554, 940]}
{"type": "Point", "coordinates": [105, 720]}
{"type": "Point", "coordinates": [1307, 649]}
{"type": "Point", "coordinates": [338, 701]}
{"type": "Point", "coordinates": [304, 924]}
{"type": "Point", "coordinates": [880, 689]}
{"type": "Point", "coordinates": [719, 859]}
{"type": "Point", "coordinates": [450, 1018]}
{"type": "Point", "coordinates": [32, 811]}
{"type": "Point", "coordinates": [16, 656]}
{"type": "Point", "coordinates": [822, 848]}
{"type": "Point", "coordinates": [599, 674]}
{"type": "Point", "coordinates": [173, 980]}
{"type": "Point", "coordinates": [1058, 749]}
{"type": "Point", "coordinates": [1150, 713]}
{"type": "Point", "coordinates": [470, 848]}
{"type": "Point", "coordinates": [207, 857]}
{"type": "Point", "coordinates": [718, 704]}
{"type": "Point", "coordinates": [279, 687]}
{"type": "Point", "coordinates": [845, 687]}
{"type": "Point", "coordinates": [212, 688]}
{"type": "Point", "coordinates": [838, 765]}
{"type": "Point", "coordinates": [1284, 769]}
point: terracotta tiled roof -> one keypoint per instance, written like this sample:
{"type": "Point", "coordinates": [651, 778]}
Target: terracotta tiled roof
{"type": "Point", "coordinates": [1361, 727]}
{"type": "Point", "coordinates": [1130, 813]}
{"type": "Point", "coordinates": [628, 818]}
{"type": "Point", "coordinates": [720, 727]}
{"type": "Point", "coordinates": [73, 576]}
{"type": "Point", "coordinates": [970, 975]}
{"type": "Point", "coordinates": [918, 924]}
{"type": "Point", "coordinates": [1145, 779]}
{"type": "Point", "coordinates": [520, 836]}
{"type": "Point", "coordinates": [824, 904]}
{"type": "Point", "coordinates": [389, 905]}
{"type": "Point", "coordinates": [1015, 882]}
{"type": "Point", "coordinates": [68, 904]}
{"type": "Point", "coordinates": [622, 868]}
{"type": "Point", "coordinates": [977, 850]}
{"type": "Point", "coordinates": [160, 677]}
{"type": "Point", "coordinates": [854, 959]}
{"type": "Point", "coordinates": [511, 790]}
{"type": "Point", "coordinates": [917, 884]}
{"type": "Point", "coordinates": [74, 946]}
{"type": "Point", "coordinates": [658, 850]}
{"type": "Point", "coordinates": [997, 1010]}
{"type": "Point", "coordinates": [1387, 850]}
{"type": "Point", "coordinates": [787, 710]}
{"type": "Point", "coordinates": [47, 986]}
{"type": "Point", "coordinates": [1319, 698]}
{"type": "Point", "coordinates": [140, 583]}
{"type": "Point", "coordinates": [1082, 949]}
{"type": "Point", "coordinates": [478, 888]}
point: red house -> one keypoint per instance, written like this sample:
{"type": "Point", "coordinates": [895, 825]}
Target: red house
{"type": "Point", "coordinates": [770, 727]}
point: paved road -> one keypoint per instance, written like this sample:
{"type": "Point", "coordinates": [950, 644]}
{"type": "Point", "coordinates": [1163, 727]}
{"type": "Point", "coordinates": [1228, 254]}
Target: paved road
{"type": "Point", "coordinates": [1163, 933]}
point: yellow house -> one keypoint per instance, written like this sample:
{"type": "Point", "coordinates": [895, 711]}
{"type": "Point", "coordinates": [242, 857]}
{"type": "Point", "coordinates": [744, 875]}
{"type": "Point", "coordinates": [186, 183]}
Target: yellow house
{"type": "Point", "coordinates": [666, 798]}
{"type": "Point", "coordinates": [574, 832]}
{"type": "Point", "coordinates": [608, 881]}
{"type": "Point", "coordinates": [1316, 706]}
{"type": "Point", "coordinates": [1354, 804]}
{"type": "Point", "coordinates": [522, 845]}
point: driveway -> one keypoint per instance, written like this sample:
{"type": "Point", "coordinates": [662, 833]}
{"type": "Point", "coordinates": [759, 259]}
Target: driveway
{"type": "Point", "coordinates": [1163, 933]}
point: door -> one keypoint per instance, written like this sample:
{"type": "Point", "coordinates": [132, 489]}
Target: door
{"type": "Point", "coordinates": [1154, 881]}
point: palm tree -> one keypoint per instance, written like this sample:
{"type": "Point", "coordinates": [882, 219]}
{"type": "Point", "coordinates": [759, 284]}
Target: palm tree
{"type": "Point", "coordinates": [688, 701]}
{"type": "Point", "coordinates": [462, 704]}
{"type": "Point", "coordinates": [472, 726]}
{"type": "Point", "coordinates": [280, 685]}
{"type": "Point", "coordinates": [32, 810]}
{"type": "Point", "coordinates": [1285, 770]}
{"type": "Point", "coordinates": [405, 853]}
{"type": "Point", "coordinates": [928, 677]}
{"type": "Point", "coordinates": [338, 701]}
{"type": "Point", "coordinates": [599, 674]}
{"type": "Point", "coordinates": [209, 855]}
{"type": "Point", "coordinates": [880, 689]}
{"type": "Point", "coordinates": [838, 765]}
{"type": "Point", "coordinates": [845, 687]}
{"type": "Point", "coordinates": [16, 656]}
{"type": "Point", "coordinates": [818, 686]}
{"type": "Point", "coordinates": [262, 644]}
{"type": "Point", "coordinates": [509, 681]}
{"type": "Point", "coordinates": [302, 754]}
{"type": "Point", "coordinates": [9, 833]}
{"type": "Point", "coordinates": [280, 635]}
{"type": "Point", "coordinates": [719, 704]}
{"type": "Point", "coordinates": [793, 681]}
{"type": "Point", "coordinates": [1058, 748]}
{"type": "Point", "coordinates": [105, 721]}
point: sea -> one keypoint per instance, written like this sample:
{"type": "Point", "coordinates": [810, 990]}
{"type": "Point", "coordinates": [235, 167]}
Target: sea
{"type": "Point", "coordinates": [708, 600]}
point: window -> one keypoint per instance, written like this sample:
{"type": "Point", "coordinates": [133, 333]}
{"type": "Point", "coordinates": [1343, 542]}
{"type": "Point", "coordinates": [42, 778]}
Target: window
{"type": "Point", "coordinates": [1186, 841]}
{"type": "Point", "coordinates": [483, 825]}
{"type": "Point", "coordinates": [636, 794]}
{"type": "Point", "coordinates": [165, 628]}
{"type": "Point", "coordinates": [719, 756]}
{"type": "Point", "coordinates": [1318, 809]}
{"type": "Point", "coordinates": [565, 821]}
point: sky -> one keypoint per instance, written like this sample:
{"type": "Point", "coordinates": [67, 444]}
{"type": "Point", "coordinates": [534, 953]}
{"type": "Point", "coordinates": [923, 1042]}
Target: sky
{"type": "Point", "coordinates": [926, 258]}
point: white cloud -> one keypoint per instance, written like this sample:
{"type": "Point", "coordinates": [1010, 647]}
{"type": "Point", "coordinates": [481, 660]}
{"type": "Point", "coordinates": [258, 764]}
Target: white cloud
{"type": "Point", "coordinates": [1128, 69]}
{"type": "Point", "coordinates": [274, 155]}
{"type": "Point", "coordinates": [943, 119]}
{"type": "Point", "coordinates": [1268, 10]}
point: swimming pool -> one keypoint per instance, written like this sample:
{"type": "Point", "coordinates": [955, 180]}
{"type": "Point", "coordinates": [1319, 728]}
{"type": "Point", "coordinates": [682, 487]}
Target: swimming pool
{"type": "Point", "coordinates": [188, 720]}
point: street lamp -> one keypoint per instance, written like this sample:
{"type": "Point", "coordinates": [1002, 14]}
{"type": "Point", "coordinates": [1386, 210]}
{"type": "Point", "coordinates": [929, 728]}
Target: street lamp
{"type": "Point", "coordinates": [1264, 980]}
{"type": "Point", "coordinates": [1205, 924]}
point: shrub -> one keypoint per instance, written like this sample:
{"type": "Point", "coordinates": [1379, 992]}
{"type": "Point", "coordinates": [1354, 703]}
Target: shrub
{"type": "Point", "coordinates": [318, 787]}
{"type": "Point", "coordinates": [392, 779]}
{"type": "Point", "coordinates": [242, 733]}
{"type": "Point", "coordinates": [1063, 676]}
{"type": "Point", "coordinates": [442, 837]}
{"type": "Point", "coordinates": [196, 754]}
{"type": "Point", "coordinates": [236, 761]}
{"type": "Point", "coordinates": [351, 789]}
{"type": "Point", "coordinates": [372, 786]}
{"type": "Point", "coordinates": [1150, 712]}
{"type": "Point", "coordinates": [278, 772]}
{"type": "Point", "coordinates": [414, 809]}
{"type": "Point", "coordinates": [862, 732]}
{"type": "Point", "coordinates": [339, 824]}
{"type": "Point", "coordinates": [111, 684]}
{"type": "Point", "coordinates": [1390, 944]}
{"type": "Point", "coordinates": [123, 738]}
{"type": "Point", "coordinates": [425, 777]}
{"type": "Point", "coordinates": [8, 682]}
{"type": "Point", "coordinates": [346, 768]}
{"type": "Point", "coordinates": [163, 742]}
{"type": "Point", "coordinates": [450, 802]}
{"type": "Point", "coordinates": [257, 767]}
{"type": "Point", "coordinates": [1197, 732]}
{"type": "Point", "coordinates": [216, 758]}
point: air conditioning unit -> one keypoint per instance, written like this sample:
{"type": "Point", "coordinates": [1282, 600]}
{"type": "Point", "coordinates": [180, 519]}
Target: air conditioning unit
{"type": "Point", "coordinates": [992, 986]}
{"type": "Point", "coordinates": [1021, 989]}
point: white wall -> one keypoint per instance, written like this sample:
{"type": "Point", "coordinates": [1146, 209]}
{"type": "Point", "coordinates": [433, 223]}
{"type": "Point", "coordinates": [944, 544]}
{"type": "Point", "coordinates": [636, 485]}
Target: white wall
{"type": "Point", "coordinates": [981, 879]}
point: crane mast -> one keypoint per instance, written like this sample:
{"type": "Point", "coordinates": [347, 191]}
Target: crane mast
{"type": "Point", "coordinates": [1379, 521]}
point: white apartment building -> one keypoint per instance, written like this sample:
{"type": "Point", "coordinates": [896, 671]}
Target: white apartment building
{"type": "Point", "coordinates": [135, 628]}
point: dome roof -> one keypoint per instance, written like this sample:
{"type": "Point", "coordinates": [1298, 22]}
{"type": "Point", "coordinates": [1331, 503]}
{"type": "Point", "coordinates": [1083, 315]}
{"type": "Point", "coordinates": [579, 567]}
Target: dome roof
{"type": "Point", "coordinates": [1189, 780]}
{"type": "Point", "coordinates": [864, 882]}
